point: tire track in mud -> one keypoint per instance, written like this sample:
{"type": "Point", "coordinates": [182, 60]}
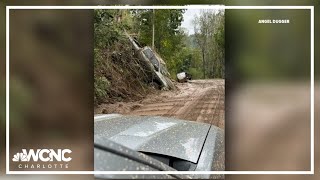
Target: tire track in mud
{"type": "Point", "coordinates": [176, 107]}
{"type": "Point", "coordinates": [198, 100]}
{"type": "Point", "coordinates": [218, 114]}
{"type": "Point", "coordinates": [194, 112]}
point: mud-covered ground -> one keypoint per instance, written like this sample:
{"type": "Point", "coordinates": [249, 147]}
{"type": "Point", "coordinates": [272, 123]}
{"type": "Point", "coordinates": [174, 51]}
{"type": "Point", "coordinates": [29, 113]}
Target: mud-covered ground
{"type": "Point", "coordinates": [196, 100]}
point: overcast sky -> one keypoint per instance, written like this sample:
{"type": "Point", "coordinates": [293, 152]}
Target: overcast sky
{"type": "Point", "coordinates": [188, 17]}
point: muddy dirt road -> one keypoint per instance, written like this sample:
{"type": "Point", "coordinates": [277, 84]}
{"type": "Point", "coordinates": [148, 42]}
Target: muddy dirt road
{"type": "Point", "coordinates": [196, 100]}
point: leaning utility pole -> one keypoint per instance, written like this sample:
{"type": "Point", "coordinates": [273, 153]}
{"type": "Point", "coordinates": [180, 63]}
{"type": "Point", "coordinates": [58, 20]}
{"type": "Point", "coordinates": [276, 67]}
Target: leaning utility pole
{"type": "Point", "coordinates": [153, 17]}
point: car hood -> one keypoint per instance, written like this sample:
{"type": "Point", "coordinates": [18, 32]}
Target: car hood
{"type": "Point", "coordinates": [153, 134]}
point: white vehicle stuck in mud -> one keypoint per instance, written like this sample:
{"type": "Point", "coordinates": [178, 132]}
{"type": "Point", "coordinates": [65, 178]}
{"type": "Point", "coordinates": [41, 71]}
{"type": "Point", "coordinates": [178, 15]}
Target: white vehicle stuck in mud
{"type": "Point", "coordinates": [183, 77]}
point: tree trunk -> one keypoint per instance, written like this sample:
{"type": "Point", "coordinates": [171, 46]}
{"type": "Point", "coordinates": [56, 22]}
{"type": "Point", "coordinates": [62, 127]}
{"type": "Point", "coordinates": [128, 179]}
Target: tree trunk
{"type": "Point", "coordinates": [203, 64]}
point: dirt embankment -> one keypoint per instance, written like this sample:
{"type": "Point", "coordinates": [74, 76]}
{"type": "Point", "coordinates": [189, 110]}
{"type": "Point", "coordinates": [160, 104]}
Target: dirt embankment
{"type": "Point", "coordinates": [197, 100]}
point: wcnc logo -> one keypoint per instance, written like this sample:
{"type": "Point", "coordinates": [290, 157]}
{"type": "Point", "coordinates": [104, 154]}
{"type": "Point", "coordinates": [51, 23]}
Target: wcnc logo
{"type": "Point", "coordinates": [43, 155]}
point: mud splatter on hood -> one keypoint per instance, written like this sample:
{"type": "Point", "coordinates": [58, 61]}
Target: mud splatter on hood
{"type": "Point", "coordinates": [161, 135]}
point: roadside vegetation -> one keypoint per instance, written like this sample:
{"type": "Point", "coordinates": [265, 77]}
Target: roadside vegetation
{"type": "Point", "coordinates": [119, 76]}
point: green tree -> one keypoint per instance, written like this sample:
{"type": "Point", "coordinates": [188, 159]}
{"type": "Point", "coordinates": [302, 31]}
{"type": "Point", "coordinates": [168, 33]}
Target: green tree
{"type": "Point", "coordinates": [209, 35]}
{"type": "Point", "coordinates": [168, 35]}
